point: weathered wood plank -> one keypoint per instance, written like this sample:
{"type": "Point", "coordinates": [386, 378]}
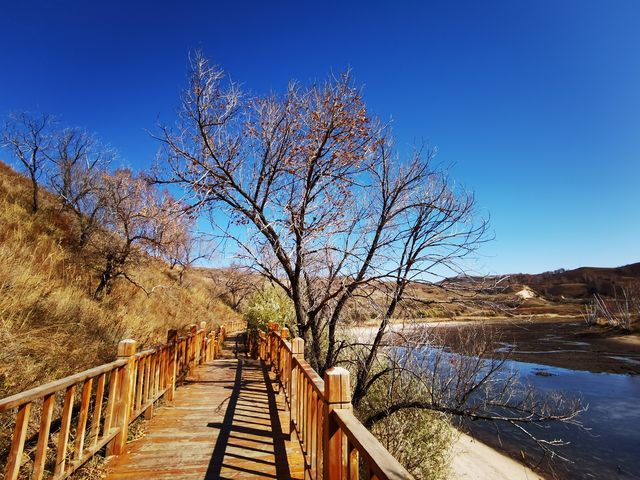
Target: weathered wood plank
{"type": "Point", "coordinates": [139, 383]}
{"type": "Point", "coordinates": [17, 444]}
{"type": "Point", "coordinates": [83, 415]}
{"type": "Point", "coordinates": [97, 411]}
{"type": "Point", "coordinates": [111, 402]}
{"type": "Point", "coordinates": [43, 436]}
{"type": "Point", "coordinates": [65, 427]}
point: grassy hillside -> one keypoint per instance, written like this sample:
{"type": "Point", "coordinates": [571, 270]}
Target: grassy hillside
{"type": "Point", "coordinates": [50, 326]}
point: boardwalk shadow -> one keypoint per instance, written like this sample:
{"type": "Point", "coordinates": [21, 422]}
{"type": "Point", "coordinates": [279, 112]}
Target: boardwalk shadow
{"type": "Point", "coordinates": [249, 444]}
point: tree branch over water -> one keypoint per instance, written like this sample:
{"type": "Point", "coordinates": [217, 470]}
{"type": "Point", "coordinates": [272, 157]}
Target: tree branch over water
{"type": "Point", "coordinates": [471, 386]}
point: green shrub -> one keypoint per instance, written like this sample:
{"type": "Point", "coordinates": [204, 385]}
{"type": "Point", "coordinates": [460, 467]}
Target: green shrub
{"type": "Point", "coordinates": [269, 304]}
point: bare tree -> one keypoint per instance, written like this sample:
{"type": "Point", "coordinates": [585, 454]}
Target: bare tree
{"type": "Point", "coordinates": [235, 284]}
{"type": "Point", "coordinates": [79, 164]}
{"type": "Point", "coordinates": [618, 312]}
{"type": "Point", "coordinates": [28, 137]}
{"type": "Point", "coordinates": [327, 206]}
{"type": "Point", "coordinates": [316, 199]}
{"type": "Point", "coordinates": [180, 247]}
{"type": "Point", "coordinates": [134, 214]}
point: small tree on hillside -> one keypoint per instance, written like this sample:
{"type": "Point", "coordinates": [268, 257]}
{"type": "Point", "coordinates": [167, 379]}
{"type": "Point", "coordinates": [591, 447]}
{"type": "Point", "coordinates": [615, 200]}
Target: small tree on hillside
{"type": "Point", "coordinates": [134, 214]}
{"type": "Point", "coordinates": [235, 284]}
{"type": "Point", "coordinates": [28, 137]}
{"type": "Point", "coordinates": [179, 246]}
{"type": "Point", "coordinates": [79, 163]}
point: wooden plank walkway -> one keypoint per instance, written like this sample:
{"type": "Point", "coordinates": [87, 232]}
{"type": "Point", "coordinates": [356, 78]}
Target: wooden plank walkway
{"type": "Point", "coordinates": [226, 421]}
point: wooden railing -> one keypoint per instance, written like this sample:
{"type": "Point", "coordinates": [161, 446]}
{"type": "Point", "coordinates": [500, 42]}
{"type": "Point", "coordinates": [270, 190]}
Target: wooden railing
{"type": "Point", "coordinates": [94, 408]}
{"type": "Point", "coordinates": [334, 442]}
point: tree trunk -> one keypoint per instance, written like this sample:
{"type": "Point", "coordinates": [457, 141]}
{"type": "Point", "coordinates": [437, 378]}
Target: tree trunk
{"type": "Point", "coordinates": [84, 237]}
{"type": "Point", "coordinates": [316, 348]}
{"type": "Point", "coordinates": [34, 205]}
{"type": "Point", "coordinates": [105, 278]}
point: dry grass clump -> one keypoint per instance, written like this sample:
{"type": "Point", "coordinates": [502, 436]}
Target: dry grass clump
{"type": "Point", "coordinates": [50, 325]}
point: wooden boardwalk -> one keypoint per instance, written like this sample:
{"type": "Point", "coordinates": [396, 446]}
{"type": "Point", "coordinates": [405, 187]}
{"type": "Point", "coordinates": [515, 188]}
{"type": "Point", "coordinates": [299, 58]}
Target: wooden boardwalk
{"type": "Point", "coordinates": [227, 421]}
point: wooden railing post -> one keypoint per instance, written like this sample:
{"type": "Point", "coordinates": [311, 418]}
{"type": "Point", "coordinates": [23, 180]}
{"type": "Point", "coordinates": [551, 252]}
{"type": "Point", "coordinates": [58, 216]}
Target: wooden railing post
{"type": "Point", "coordinates": [266, 355]}
{"type": "Point", "coordinates": [203, 343]}
{"type": "Point", "coordinates": [172, 336]}
{"type": "Point", "coordinates": [197, 345]}
{"type": "Point", "coordinates": [272, 327]}
{"type": "Point", "coordinates": [283, 362]}
{"type": "Point", "coordinates": [126, 350]}
{"type": "Point", "coordinates": [17, 445]}
{"type": "Point", "coordinates": [262, 345]}
{"type": "Point", "coordinates": [297, 351]}
{"type": "Point", "coordinates": [284, 377]}
{"type": "Point", "coordinates": [337, 394]}
{"type": "Point", "coordinates": [193, 342]}
{"type": "Point", "coordinates": [275, 345]}
{"type": "Point", "coordinates": [212, 346]}
{"type": "Point", "coordinates": [218, 343]}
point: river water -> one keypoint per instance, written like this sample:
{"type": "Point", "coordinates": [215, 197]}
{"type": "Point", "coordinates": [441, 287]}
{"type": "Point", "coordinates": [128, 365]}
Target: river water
{"type": "Point", "coordinates": [609, 450]}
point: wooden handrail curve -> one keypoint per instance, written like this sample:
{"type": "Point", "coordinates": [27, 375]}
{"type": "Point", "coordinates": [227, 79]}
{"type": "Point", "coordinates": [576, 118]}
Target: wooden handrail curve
{"type": "Point", "coordinates": [335, 444]}
{"type": "Point", "coordinates": [101, 402]}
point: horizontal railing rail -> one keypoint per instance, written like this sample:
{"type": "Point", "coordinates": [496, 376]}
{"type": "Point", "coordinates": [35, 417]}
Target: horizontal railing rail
{"type": "Point", "coordinates": [335, 444]}
{"type": "Point", "coordinates": [94, 408]}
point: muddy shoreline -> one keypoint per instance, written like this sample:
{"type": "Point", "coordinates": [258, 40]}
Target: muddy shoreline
{"type": "Point", "coordinates": [567, 343]}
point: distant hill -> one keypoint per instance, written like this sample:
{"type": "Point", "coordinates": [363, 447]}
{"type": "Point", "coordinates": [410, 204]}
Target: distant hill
{"type": "Point", "coordinates": [581, 282]}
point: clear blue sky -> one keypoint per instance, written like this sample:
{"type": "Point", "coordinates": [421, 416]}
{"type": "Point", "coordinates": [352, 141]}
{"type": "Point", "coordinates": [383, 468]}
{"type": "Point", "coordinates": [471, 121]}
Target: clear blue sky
{"type": "Point", "coordinates": [536, 104]}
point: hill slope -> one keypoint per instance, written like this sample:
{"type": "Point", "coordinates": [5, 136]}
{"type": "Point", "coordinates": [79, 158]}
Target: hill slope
{"type": "Point", "coordinates": [50, 326]}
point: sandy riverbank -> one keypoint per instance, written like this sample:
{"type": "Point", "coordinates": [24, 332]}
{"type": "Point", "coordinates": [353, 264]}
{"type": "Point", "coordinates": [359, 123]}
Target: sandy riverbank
{"type": "Point", "coordinates": [473, 460]}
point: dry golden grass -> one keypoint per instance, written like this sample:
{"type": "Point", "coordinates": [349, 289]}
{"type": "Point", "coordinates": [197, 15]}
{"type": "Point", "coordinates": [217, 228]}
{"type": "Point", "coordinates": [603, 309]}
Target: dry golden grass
{"type": "Point", "coordinates": [50, 326]}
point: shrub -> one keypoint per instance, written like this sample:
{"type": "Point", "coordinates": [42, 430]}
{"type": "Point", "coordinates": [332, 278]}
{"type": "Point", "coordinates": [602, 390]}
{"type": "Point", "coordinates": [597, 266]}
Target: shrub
{"type": "Point", "coordinates": [269, 304]}
{"type": "Point", "coordinates": [419, 439]}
